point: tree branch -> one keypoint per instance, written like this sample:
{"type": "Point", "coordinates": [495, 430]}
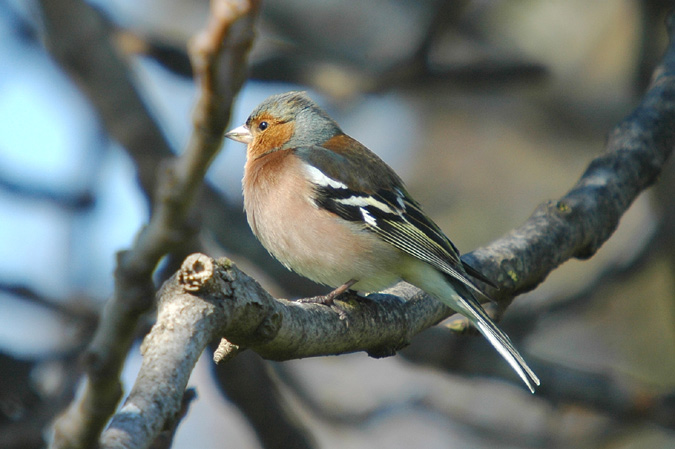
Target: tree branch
{"type": "Point", "coordinates": [208, 299]}
{"type": "Point", "coordinates": [229, 33]}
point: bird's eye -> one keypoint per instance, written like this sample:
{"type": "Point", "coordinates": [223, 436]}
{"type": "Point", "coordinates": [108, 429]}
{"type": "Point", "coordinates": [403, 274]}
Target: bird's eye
{"type": "Point", "coordinates": [263, 126]}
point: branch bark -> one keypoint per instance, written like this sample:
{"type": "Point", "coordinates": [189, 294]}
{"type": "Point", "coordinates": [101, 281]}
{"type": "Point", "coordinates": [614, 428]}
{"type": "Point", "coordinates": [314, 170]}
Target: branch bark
{"type": "Point", "coordinates": [207, 299]}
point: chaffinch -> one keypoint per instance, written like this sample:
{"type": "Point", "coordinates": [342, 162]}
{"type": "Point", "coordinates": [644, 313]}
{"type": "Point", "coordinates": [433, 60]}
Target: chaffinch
{"type": "Point", "coordinates": [331, 210]}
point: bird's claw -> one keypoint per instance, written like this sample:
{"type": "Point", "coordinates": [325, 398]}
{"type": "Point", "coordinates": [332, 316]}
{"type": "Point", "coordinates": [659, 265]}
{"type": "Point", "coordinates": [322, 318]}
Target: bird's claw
{"type": "Point", "coordinates": [329, 300]}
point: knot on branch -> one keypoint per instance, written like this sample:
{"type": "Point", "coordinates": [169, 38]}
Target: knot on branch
{"type": "Point", "coordinates": [196, 273]}
{"type": "Point", "coordinates": [269, 328]}
{"type": "Point", "coordinates": [226, 350]}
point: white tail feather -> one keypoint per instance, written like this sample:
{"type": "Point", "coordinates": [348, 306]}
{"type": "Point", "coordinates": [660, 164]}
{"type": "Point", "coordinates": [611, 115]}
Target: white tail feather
{"type": "Point", "coordinates": [503, 345]}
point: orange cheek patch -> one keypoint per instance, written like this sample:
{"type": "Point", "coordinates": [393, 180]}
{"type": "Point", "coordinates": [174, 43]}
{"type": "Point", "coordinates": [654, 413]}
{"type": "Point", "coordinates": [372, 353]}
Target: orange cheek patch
{"type": "Point", "coordinates": [271, 139]}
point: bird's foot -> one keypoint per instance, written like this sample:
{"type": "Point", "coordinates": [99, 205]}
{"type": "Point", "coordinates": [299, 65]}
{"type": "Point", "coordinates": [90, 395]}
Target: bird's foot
{"type": "Point", "coordinates": [329, 299]}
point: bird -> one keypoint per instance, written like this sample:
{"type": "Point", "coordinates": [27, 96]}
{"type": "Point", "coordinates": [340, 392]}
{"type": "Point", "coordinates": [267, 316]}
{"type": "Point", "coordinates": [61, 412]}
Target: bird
{"type": "Point", "coordinates": [331, 210]}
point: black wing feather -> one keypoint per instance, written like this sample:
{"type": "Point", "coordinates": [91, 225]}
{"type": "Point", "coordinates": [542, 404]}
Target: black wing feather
{"type": "Point", "coordinates": [400, 222]}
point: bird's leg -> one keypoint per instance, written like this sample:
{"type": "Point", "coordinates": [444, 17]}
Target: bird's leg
{"type": "Point", "coordinates": [328, 299]}
{"type": "Point", "coordinates": [340, 290]}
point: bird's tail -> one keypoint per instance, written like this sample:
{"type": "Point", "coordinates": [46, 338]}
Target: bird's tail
{"type": "Point", "coordinates": [502, 343]}
{"type": "Point", "coordinates": [472, 309]}
{"type": "Point", "coordinates": [456, 291]}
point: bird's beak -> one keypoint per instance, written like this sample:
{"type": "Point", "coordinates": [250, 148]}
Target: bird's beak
{"type": "Point", "coordinates": [240, 134]}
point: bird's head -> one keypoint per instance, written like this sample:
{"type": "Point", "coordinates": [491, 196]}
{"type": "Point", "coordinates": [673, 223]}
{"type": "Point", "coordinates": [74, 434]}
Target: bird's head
{"type": "Point", "coordinates": [288, 120]}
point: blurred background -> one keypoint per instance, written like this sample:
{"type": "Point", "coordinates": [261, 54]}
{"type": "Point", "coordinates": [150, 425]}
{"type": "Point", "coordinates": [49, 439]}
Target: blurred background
{"type": "Point", "coordinates": [486, 109]}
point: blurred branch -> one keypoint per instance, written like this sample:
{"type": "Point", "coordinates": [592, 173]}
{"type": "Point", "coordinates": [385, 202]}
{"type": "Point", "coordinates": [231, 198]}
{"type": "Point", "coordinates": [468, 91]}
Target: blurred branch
{"type": "Point", "coordinates": [342, 79]}
{"type": "Point", "coordinates": [617, 397]}
{"type": "Point", "coordinates": [84, 50]}
{"type": "Point", "coordinates": [247, 382]}
{"type": "Point", "coordinates": [652, 39]}
{"type": "Point", "coordinates": [76, 201]}
{"type": "Point", "coordinates": [33, 391]}
{"type": "Point", "coordinates": [447, 53]}
{"type": "Point", "coordinates": [328, 412]}
{"type": "Point", "coordinates": [80, 311]}
{"type": "Point", "coordinates": [666, 233]}
{"type": "Point", "coordinates": [229, 35]}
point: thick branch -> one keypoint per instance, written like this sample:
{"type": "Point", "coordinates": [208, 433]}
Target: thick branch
{"type": "Point", "coordinates": [208, 299]}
